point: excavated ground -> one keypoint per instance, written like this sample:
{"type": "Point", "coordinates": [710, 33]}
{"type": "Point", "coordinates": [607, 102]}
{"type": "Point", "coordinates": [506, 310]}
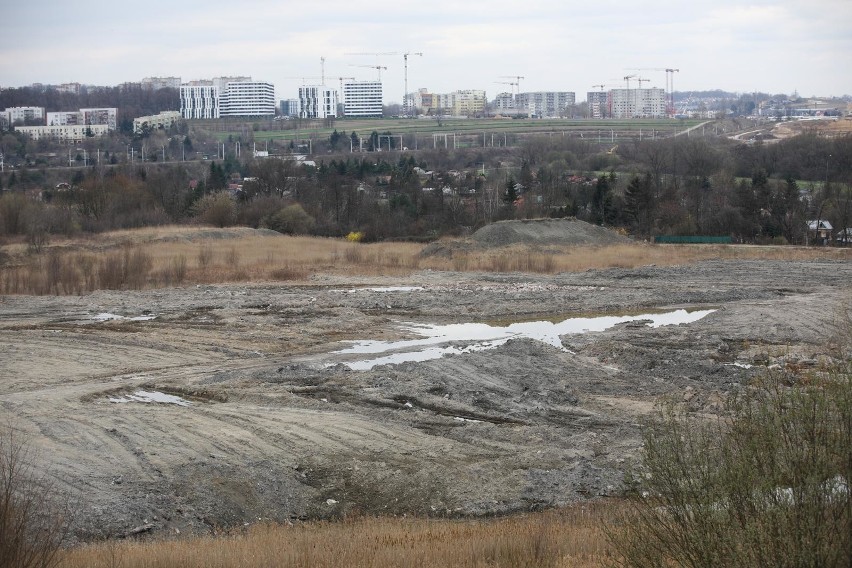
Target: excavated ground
{"type": "Point", "coordinates": [273, 425]}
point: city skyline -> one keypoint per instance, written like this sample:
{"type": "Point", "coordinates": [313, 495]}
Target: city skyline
{"type": "Point", "coordinates": [767, 46]}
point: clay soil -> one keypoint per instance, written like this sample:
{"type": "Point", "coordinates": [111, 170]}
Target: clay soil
{"type": "Point", "coordinates": [277, 427]}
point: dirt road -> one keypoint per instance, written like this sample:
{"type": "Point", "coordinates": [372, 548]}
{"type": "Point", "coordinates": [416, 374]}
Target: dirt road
{"type": "Point", "coordinates": [271, 423]}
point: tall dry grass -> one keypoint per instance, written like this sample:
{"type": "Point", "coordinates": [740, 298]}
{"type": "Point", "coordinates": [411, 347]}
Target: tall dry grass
{"type": "Point", "coordinates": [558, 539]}
{"type": "Point", "coordinates": [151, 258]}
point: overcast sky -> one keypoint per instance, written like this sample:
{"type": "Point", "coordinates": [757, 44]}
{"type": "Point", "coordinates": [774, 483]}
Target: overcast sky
{"type": "Point", "coordinates": [759, 45]}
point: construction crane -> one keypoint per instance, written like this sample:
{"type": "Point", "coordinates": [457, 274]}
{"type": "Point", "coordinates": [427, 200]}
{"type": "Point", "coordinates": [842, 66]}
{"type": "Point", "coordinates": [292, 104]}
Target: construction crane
{"type": "Point", "coordinates": [517, 79]}
{"type": "Point", "coordinates": [405, 94]}
{"type": "Point", "coordinates": [322, 65]}
{"type": "Point", "coordinates": [304, 77]}
{"type": "Point", "coordinates": [376, 67]}
{"type": "Point", "coordinates": [640, 80]}
{"type": "Point", "coordinates": [627, 80]}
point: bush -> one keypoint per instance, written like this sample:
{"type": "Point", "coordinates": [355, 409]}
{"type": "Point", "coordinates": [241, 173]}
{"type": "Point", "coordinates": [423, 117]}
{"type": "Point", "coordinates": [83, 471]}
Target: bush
{"type": "Point", "coordinates": [217, 209]}
{"type": "Point", "coordinates": [290, 220]}
{"type": "Point", "coordinates": [767, 486]}
{"type": "Point", "coordinates": [32, 527]}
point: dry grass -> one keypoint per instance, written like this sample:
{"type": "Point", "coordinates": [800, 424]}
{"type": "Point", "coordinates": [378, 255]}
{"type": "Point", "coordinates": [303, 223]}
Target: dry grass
{"type": "Point", "coordinates": [568, 537]}
{"type": "Point", "coordinates": [173, 256]}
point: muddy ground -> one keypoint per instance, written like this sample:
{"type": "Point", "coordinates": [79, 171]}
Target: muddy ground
{"type": "Point", "coordinates": [276, 427]}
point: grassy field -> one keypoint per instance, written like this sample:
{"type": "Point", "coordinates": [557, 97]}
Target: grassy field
{"type": "Point", "coordinates": [177, 256]}
{"type": "Point", "coordinates": [424, 128]}
{"type": "Point", "coordinates": [569, 537]}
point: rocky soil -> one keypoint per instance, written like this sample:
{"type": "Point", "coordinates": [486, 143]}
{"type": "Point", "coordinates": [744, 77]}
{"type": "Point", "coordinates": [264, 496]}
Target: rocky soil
{"type": "Point", "coordinates": [274, 425]}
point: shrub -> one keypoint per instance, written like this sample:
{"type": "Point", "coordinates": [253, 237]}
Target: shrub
{"type": "Point", "coordinates": [32, 526]}
{"type": "Point", "coordinates": [290, 220]}
{"type": "Point", "coordinates": [768, 486]}
{"type": "Point", "coordinates": [217, 209]}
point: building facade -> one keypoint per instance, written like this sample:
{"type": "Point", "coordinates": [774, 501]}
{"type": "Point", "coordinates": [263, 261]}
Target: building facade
{"type": "Point", "coordinates": [156, 83]}
{"type": "Point", "coordinates": [362, 99]}
{"type": "Point", "coordinates": [69, 133]}
{"type": "Point", "coordinates": [247, 98]}
{"type": "Point", "coordinates": [545, 103]}
{"type": "Point", "coordinates": [598, 104]}
{"type": "Point", "coordinates": [504, 102]}
{"type": "Point", "coordinates": [199, 99]}
{"type": "Point", "coordinates": [163, 120]}
{"type": "Point", "coordinates": [85, 117]}
{"type": "Point", "coordinates": [637, 103]}
{"type": "Point", "coordinates": [23, 114]}
{"type": "Point", "coordinates": [317, 101]}
{"type": "Point", "coordinates": [289, 107]}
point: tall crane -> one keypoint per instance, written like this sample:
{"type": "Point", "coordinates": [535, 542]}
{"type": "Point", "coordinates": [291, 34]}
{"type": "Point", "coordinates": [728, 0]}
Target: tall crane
{"type": "Point", "coordinates": [322, 65]}
{"type": "Point", "coordinates": [376, 67]}
{"type": "Point", "coordinates": [640, 80]}
{"type": "Point", "coordinates": [627, 80]}
{"type": "Point", "coordinates": [405, 106]}
{"type": "Point", "coordinates": [517, 79]}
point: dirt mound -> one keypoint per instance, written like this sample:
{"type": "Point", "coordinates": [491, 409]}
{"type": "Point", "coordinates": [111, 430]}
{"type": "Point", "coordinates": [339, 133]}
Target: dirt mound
{"type": "Point", "coordinates": [546, 232]}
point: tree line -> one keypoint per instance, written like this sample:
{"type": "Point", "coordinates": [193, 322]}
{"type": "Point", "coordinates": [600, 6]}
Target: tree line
{"type": "Point", "coordinates": [761, 193]}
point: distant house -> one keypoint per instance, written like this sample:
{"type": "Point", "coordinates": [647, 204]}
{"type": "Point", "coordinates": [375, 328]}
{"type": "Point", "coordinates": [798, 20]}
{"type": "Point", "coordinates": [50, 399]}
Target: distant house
{"type": "Point", "coordinates": [819, 231]}
{"type": "Point", "coordinates": [844, 237]}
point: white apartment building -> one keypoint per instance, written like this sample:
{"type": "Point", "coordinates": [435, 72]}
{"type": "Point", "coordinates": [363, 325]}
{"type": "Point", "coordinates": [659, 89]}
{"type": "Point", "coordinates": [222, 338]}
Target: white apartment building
{"type": "Point", "coordinates": [70, 133]}
{"type": "Point", "coordinates": [84, 116]}
{"type": "Point", "coordinates": [247, 98]}
{"type": "Point", "coordinates": [64, 118]}
{"type": "Point", "coordinates": [226, 97]}
{"type": "Point", "coordinates": [317, 101]}
{"type": "Point", "coordinates": [13, 114]}
{"type": "Point", "coordinates": [156, 83]}
{"type": "Point", "coordinates": [199, 99]}
{"type": "Point", "coordinates": [598, 104]}
{"type": "Point", "coordinates": [362, 99]}
{"type": "Point", "coordinates": [637, 103]}
{"type": "Point", "coordinates": [108, 116]}
{"type": "Point", "coordinates": [504, 101]}
{"type": "Point", "coordinates": [162, 120]}
{"type": "Point", "coordinates": [545, 103]}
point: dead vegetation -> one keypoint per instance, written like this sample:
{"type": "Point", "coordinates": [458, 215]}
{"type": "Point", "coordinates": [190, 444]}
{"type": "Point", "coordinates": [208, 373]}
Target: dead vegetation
{"type": "Point", "coordinates": [561, 538]}
{"type": "Point", "coordinates": [176, 256]}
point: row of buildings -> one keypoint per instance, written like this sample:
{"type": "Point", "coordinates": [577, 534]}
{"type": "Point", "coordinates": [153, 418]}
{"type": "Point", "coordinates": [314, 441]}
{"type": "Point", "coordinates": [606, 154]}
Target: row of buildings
{"type": "Point", "coordinates": [64, 126]}
{"type": "Point", "coordinates": [223, 97]}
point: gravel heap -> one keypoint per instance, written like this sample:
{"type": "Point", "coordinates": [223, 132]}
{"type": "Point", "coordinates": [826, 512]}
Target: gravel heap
{"type": "Point", "coordinates": [546, 232]}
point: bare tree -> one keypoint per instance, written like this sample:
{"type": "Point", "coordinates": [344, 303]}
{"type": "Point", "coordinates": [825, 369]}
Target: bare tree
{"type": "Point", "coordinates": [32, 518]}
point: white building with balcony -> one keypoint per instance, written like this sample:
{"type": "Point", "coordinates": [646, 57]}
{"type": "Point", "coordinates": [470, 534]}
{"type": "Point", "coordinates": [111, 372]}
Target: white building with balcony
{"type": "Point", "coordinates": [317, 101]}
{"type": "Point", "coordinates": [362, 99]}
{"type": "Point", "coordinates": [23, 114]}
{"type": "Point", "coordinates": [637, 103]}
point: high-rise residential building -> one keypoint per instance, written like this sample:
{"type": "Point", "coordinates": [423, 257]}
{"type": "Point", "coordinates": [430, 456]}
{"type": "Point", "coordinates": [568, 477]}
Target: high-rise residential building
{"type": "Point", "coordinates": [545, 103]}
{"type": "Point", "coordinates": [317, 101]}
{"type": "Point", "coordinates": [107, 116]}
{"type": "Point", "coordinates": [289, 107]}
{"type": "Point", "coordinates": [85, 116]}
{"type": "Point", "coordinates": [504, 101]}
{"type": "Point", "coordinates": [199, 99]}
{"type": "Point", "coordinates": [598, 104]}
{"type": "Point", "coordinates": [362, 99]}
{"type": "Point", "coordinates": [247, 98]}
{"type": "Point", "coordinates": [156, 83]}
{"type": "Point", "coordinates": [23, 114]}
{"type": "Point", "coordinates": [226, 97]}
{"type": "Point", "coordinates": [637, 103]}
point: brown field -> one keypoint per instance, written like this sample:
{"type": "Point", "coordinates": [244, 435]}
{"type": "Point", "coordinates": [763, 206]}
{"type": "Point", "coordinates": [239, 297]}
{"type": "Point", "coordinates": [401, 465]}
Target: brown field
{"type": "Point", "coordinates": [175, 256]}
{"type": "Point", "coordinates": [561, 538]}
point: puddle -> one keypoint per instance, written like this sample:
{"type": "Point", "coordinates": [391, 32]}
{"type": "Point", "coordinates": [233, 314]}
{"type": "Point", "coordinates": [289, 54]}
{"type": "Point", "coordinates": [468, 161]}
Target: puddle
{"type": "Point", "coordinates": [150, 396]}
{"type": "Point", "coordinates": [385, 289]}
{"type": "Point", "coordinates": [114, 317]}
{"type": "Point", "coordinates": [433, 338]}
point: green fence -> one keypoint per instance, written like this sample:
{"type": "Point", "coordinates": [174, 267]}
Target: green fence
{"type": "Point", "coordinates": [692, 240]}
